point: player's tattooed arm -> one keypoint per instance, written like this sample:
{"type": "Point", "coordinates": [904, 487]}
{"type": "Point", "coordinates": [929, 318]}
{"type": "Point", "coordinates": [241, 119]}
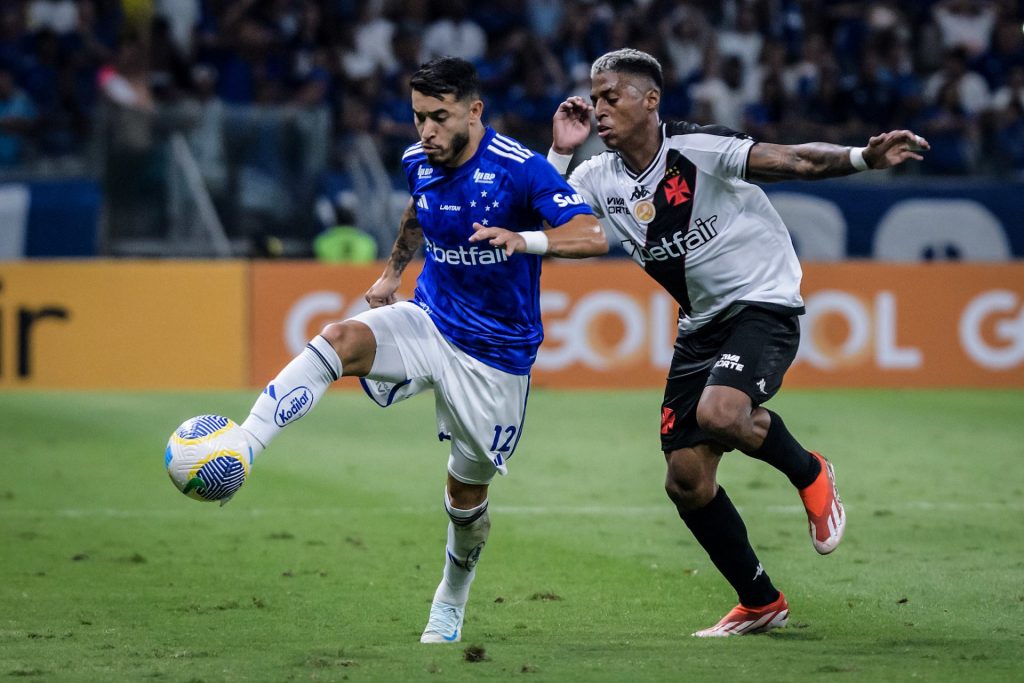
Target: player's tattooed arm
{"type": "Point", "coordinates": [809, 161]}
{"type": "Point", "coordinates": [410, 237]}
{"type": "Point", "coordinates": [816, 160]}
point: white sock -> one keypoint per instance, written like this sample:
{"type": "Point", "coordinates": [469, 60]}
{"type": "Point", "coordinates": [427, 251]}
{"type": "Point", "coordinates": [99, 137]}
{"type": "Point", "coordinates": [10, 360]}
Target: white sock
{"type": "Point", "coordinates": [294, 391]}
{"type": "Point", "coordinates": [467, 534]}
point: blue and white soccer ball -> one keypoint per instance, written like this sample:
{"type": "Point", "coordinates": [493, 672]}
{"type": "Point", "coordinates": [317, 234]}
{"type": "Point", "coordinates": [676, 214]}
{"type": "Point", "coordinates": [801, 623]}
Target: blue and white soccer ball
{"type": "Point", "coordinates": [208, 458]}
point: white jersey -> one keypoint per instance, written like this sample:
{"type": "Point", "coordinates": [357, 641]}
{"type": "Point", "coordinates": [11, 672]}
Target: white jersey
{"type": "Point", "coordinates": [709, 237]}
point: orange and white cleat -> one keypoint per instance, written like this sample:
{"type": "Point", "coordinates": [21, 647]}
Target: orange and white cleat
{"type": "Point", "coordinates": [825, 511]}
{"type": "Point", "coordinates": [741, 621]}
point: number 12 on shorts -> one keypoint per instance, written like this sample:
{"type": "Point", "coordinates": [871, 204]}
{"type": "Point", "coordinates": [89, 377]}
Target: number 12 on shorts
{"type": "Point", "coordinates": [503, 436]}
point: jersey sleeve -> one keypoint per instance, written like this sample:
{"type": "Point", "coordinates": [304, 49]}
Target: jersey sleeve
{"type": "Point", "coordinates": [581, 180]}
{"type": "Point", "coordinates": [550, 195]}
{"type": "Point", "coordinates": [716, 150]}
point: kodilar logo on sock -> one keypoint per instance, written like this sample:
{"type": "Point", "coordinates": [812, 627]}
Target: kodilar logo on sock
{"type": "Point", "coordinates": [293, 405]}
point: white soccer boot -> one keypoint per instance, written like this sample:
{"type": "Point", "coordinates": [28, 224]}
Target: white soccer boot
{"type": "Point", "coordinates": [445, 624]}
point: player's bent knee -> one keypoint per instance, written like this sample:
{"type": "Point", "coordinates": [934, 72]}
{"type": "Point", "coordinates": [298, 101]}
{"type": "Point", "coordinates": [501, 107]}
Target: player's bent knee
{"type": "Point", "coordinates": [465, 496]}
{"type": "Point", "coordinates": [689, 493]}
{"type": "Point", "coordinates": [355, 344]}
{"type": "Point", "coordinates": [719, 420]}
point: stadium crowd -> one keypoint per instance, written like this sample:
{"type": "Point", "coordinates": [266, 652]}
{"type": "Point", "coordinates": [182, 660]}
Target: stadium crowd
{"type": "Point", "coordinates": [782, 70]}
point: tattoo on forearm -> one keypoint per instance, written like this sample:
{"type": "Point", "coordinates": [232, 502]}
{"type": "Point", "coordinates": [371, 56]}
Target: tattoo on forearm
{"type": "Point", "coordinates": [410, 237]}
{"type": "Point", "coordinates": [810, 161]}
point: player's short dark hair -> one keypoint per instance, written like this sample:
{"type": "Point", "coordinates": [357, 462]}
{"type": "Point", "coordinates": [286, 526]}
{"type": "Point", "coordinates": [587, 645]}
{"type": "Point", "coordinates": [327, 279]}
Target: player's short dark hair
{"type": "Point", "coordinates": [447, 76]}
{"type": "Point", "coordinates": [629, 61]}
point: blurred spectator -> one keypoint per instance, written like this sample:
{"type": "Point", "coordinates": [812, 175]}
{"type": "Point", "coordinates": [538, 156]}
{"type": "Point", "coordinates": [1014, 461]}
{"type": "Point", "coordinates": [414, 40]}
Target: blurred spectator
{"type": "Point", "coordinates": [393, 114]}
{"type": "Point", "coordinates": [743, 41]}
{"type": "Point", "coordinates": [1008, 123]}
{"type": "Point", "coordinates": [872, 98]}
{"type": "Point", "coordinates": [372, 39]}
{"type": "Point", "coordinates": [206, 137]}
{"type": "Point", "coordinates": [181, 16]}
{"type": "Point", "coordinates": [17, 119]}
{"type": "Point", "coordinates": [825, 112]}
{"type": "Point", "coordinates": [764, 115]}
{"type": "Point", "coordinates": [686, 35]}
{"type": "Point", "coordinates": [59, 16]}
{"type": "Point", "coordinates": [969, 86]}
{"type": "Point", "coordinates": [453, 33]}
{"type": "Point", "coordinates": [721, 99]}
{"type": "Point", "coordinates": [530, 106]}
{"type": "Point", "coordinates": [126, 83]}
{"type": "Point", "coordinates": [545, 16]}
{"type": "Point", "coordinates": [801, 79]}
{"type": "Point", "coordinates": [1006, 52]}
{"type": "Point", "coordinates": [952, 132]}
{"type": "Point", "coordinates": [965, 24]}
{"type": "Point", "coordinates": [169, 69]}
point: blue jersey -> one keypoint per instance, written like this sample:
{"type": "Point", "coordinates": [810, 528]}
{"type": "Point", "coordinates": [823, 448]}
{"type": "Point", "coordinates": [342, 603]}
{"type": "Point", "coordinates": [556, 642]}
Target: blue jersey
{"type": "Point", "coordinates": [482, 301]}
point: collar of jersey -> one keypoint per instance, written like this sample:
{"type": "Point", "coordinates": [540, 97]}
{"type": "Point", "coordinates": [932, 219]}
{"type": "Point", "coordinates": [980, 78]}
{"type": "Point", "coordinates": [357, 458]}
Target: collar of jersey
{"type": "Point", "coordinates": [643, 175]}
{"type": "Point", "coordinates": [471, 162]}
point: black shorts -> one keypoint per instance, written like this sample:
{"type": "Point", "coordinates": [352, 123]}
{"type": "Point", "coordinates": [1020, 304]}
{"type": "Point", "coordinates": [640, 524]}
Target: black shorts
{"type": "Point", "coordinates": [749, 351]}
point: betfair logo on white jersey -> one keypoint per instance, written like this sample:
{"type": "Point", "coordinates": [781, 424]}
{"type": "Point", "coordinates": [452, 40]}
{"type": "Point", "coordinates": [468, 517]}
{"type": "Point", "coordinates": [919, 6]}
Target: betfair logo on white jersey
{"type": "Point", "coordinates": [481, 177]}
{"type": "Point", "coordinates": [570, 200]}
{"type": "Point", "coordinates": [464, 256]}
{"type": "Point", "coordinates": [676, 245]}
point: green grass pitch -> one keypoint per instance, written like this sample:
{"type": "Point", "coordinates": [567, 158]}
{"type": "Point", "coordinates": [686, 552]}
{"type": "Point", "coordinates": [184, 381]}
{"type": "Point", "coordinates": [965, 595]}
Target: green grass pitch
{"type": "Point", "coordinates": [323, 566]}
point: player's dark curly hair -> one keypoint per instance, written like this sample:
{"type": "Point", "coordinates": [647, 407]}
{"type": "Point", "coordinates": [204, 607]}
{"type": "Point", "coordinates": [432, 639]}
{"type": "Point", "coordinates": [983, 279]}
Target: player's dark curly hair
{"type": "Point", "coordinates": [447, 75]}
{"type": "Point", "coordinates": [629, 61]}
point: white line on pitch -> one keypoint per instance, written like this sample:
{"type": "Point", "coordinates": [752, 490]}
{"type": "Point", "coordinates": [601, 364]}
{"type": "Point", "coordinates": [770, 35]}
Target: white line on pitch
{"type": "Point", "coordinates": [512, 510]}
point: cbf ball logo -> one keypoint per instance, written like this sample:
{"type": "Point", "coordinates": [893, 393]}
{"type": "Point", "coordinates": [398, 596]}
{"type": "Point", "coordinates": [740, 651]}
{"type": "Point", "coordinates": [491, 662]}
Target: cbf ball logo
{"type": "Point", "coordinates": [293, 405]}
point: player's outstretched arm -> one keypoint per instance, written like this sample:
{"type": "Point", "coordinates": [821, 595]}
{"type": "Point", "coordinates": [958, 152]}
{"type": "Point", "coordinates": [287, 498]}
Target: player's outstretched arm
{"type": "Point", "coordinates": [579, 237]}
{"type": "Point", "coordinates": [817, 160]}
{"type": "Point", "coordinates": [410, 237]}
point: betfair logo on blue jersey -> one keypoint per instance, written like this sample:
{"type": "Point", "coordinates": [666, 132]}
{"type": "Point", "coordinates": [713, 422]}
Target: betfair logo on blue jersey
{"type": "Point", "coordinates": [424, 171]}
{"type": "Point", "coordinates": [465, 256]}
{"type": "Point", "coordinates": [567, 200]}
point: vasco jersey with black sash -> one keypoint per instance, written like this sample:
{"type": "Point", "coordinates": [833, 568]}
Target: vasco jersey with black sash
{"type": "Point", "coordinates": [709, 237]}
{"type": "Point", "coordinates": [483, 301]}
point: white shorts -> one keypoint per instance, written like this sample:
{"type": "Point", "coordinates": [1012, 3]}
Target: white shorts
{"type": "Point", "coordinates": [480, 409]}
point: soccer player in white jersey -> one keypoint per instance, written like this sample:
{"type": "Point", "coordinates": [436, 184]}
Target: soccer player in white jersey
{"type": "Point", "coordinates": [471, 331]}
{"type": "Point", "coordinates": [679, 199]}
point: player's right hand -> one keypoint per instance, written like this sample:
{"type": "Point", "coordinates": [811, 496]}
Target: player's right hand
{"type": "Point", "coordinates": [382, 292]}
{"type": "Point", "coordinates": [570, 126]}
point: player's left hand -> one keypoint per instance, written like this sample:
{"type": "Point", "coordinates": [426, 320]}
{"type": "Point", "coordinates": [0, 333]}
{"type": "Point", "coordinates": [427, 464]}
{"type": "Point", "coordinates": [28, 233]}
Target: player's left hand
{"type": "Point", "coordinates": [508, 240]}
{"type": "Point", "coordinates": [893, 148]}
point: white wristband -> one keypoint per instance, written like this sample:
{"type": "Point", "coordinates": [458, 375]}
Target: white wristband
{"type": "Point", "coordinates": [559, 161]}
{"type": "Point", "coordinates": [857, 159]}
{"type": "Point", "coordinates": [536, 241]}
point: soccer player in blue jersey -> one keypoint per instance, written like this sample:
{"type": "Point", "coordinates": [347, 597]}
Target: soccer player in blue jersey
{"type": "Point", "coordinates": [471, 332]}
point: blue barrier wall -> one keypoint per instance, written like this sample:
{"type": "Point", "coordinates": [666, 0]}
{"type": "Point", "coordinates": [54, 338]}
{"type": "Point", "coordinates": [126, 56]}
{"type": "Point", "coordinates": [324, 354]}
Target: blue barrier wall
{"type": "Point", "coordinates": [49, 218]}
{"type": "Point", "coordinates": [905, 221]}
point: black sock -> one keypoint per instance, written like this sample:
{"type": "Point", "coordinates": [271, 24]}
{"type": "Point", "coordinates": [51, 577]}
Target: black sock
{"type": "Point", "coordinates": [781, 451]}
{"type": "Point", "coordinates": [721, 532]}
